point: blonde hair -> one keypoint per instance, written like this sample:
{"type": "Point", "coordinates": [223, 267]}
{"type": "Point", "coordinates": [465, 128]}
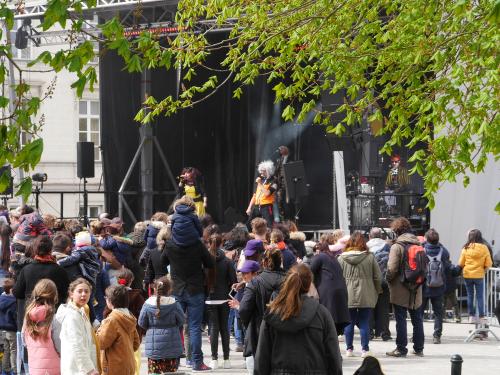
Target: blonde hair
{"type": "Point", "coordinates": [162, 287]}
{"type": "Point", "coordinates": [44, 293]}
{"type": "Point", "coordinates": [185, 200]}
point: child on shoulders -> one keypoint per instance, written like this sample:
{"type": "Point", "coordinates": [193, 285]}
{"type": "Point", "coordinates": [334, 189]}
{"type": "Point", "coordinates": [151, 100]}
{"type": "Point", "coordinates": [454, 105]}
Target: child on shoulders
{"type": "Point", "coordinates": [186, 227]}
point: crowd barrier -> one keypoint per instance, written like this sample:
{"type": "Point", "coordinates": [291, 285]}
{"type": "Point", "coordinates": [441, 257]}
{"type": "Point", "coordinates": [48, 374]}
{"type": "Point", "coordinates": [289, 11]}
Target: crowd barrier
{"type": "Point", "coordinates": [491, 306]}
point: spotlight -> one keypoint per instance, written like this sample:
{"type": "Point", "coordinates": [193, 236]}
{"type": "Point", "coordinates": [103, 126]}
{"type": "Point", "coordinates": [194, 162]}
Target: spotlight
{"type": "Point", "coordinates": [39, 177]}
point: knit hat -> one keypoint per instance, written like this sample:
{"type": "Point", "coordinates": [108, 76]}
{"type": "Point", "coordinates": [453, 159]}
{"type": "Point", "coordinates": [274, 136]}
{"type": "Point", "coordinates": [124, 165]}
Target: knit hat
{"type": "Point", "coordinates": [252, 247]}
{"type": "Point", "coordinates": [249, 266]}
{"type": "Point", "coordinates": [83, 239]}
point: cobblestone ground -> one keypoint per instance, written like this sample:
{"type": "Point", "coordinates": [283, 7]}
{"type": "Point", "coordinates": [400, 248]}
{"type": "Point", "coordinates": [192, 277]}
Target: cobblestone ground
{"type": "Point", "coordinates": [480, 357]}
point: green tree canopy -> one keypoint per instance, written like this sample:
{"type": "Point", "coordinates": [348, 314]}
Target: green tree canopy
{"type": "Point", "coordinates": [427, 69]}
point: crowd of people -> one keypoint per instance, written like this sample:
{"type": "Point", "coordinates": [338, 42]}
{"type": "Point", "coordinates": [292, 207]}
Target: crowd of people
{"type": "Point", "coordinates": [81, 300]}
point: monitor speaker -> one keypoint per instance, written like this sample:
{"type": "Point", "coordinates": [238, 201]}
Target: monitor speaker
{"type": "Point", "coordinates": [85, 159]}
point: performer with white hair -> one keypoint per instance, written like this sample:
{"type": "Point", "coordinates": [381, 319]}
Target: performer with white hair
{"type": "Point", "coordinates": [261, 204]}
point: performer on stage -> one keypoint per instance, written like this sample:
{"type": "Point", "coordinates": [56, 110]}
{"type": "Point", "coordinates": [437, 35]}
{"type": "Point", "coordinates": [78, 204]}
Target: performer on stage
{"type": "Point", "coordinates": [281, 209]}
{"type": "Point", "coordinates": [397, 181]}
{"type": "Point", "coordinates": [262, 200]}
{"type": "Point", "coordinates": [191, 184]}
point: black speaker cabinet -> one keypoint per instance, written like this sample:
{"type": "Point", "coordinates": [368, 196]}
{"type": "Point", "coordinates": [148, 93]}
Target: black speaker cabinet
{"type": "Point", "coordinates": [295, 180]}
{"type": "Point", "coordinates": [85, 159]}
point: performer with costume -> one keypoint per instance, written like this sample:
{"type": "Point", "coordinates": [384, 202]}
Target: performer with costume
{"type": "Point", "coordinates": [262, 200]}
{"type": "Point", "coordinates": [191, 184]}
{"type": "Point", "coordinates": [397, 181]}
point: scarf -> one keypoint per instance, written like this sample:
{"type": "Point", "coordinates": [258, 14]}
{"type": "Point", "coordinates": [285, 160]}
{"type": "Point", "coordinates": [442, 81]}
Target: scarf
{"type": "Point", "coordinates": [49, 258]}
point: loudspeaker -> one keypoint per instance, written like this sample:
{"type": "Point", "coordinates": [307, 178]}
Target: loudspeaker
{"type": "Point", "coordinates": [85, 159]}
{"type": "Point", "coordinates": [10, 187]}
{"type": "Point", "coordinates": [295, 180]}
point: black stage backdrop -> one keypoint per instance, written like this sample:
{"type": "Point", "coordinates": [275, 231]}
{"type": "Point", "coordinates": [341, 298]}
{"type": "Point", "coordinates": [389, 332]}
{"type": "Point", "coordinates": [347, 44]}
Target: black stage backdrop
{"type": "Point", "coordinates": [223, 137]}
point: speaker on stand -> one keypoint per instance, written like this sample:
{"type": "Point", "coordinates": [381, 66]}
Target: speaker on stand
{"type": "Point", "coordinates": [85, 169]}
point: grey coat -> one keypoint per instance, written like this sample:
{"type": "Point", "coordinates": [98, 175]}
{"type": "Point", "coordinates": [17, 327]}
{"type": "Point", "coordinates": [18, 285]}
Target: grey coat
{"type": "Point", "coordinates": [400, 294]}
{"type": "Point", "coordinates": [363, 278]}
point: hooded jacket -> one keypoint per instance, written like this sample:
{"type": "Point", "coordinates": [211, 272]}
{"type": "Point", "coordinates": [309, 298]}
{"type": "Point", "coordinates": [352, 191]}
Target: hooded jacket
{"type": "Point", "coordinates": [8, 313]}
{"type": "Point", "coordinates": [118, 340]}
{"type": "Point", "coordinates": [78, 351]}
{"type": "Point", "coordinates": [296, 241]}
{"type": "Point", "coordinates": [225, 277]}
{"type": "Point", "coordinates": [151, 232]}
{"type": "Point", "coordinates": [363, 278]}
{"type": "Point", "coordinates": [400, 294]}
{"type": "Point", "coordinates": [376, 244]}
{"type": "Point", "coordinates": [120, 249]}
{"type": "Point", "coordinates": [43, 358]}
{"type": "Point", "coordinates": [433, 251]}
{"type": "Point", "coordinates": [87, 259]}
{"type": "Point", "coordinates": [156, 266]}
{"type": "Point", "coordinates": [163, 338]}
{"type": "Point", "coordinates": [474, 261]}
{"type": "Point", "coordinates": [305, 345]}
{"type": "Point", "coordinates": [186, 227]}
{"type": "Point", "coordinates": [253, 305]}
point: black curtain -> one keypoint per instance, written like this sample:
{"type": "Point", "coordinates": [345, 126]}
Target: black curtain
{"type": "Point", "coordinates": [223, 137]}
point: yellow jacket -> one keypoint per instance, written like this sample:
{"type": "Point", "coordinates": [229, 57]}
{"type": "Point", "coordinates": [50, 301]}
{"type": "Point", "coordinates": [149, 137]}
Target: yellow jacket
{"type": "Point", "coordinates": [474, 261]}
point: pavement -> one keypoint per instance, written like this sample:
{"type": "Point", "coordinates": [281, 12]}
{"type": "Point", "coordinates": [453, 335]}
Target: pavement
{"type": "Point", "coordinates": [479, 357]}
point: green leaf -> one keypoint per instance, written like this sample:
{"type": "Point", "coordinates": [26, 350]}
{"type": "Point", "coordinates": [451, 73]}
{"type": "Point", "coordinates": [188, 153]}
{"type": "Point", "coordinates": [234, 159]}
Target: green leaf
{"type": "Point", "coordinates": [24, 188]}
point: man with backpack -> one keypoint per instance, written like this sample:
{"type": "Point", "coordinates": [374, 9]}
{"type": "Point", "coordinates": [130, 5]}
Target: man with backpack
{"type": "Point", "coordinates": [435, 283]}
{"type": "Point", "coordinates": [406, 271]}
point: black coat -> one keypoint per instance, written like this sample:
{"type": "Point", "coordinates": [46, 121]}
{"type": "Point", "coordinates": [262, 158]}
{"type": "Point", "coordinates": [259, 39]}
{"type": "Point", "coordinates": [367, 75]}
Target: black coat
{"type": "Point", "coordinates": [253, 305]}
{"type": "Point", "coordinates": [225, 277]}
{"type": "Point", "coordinates": [186, 266]}
{"type": "Point", "coordinates": [307, 344]}
{"type": "Point", "coordinates": [156, 267]}
{"type": "Point", "coordinates": [332, 289]}
{"type": "Point", "coordinates": [32, 274]}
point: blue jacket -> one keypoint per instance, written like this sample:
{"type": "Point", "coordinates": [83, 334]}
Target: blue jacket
{"type": "Point", "coordinates": [151, 232]}
{"type": "Point", "coordinates": [432, 251]}
{"type": "Point", "coordinates": [163, 337]}
{"type": "Point", "coordinates": [186, 227]}
{"type": "Point", "coordinates": [8, 313]}
{"type": "Point", "coordinates": [87, 259]}
{"type": "Point", "coordinates": [382, 257]}
{"type": "Point", "coordinates": [120, 250]}
{"type": "Point", "coordinates": [289, 259]}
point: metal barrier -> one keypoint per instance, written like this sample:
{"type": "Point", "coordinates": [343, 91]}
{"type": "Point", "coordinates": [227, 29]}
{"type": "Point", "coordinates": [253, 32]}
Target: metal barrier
{"type": "Point", "coordinates": [491, 296]}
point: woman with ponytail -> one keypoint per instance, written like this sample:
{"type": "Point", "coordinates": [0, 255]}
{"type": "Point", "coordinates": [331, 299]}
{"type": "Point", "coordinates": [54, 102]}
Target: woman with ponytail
{"type": "Point", "coordinates": [219, 282]}
{"type": "Point", "coordinates": [162, 318]}
{"type": "Point", "coordinates": [297, 335]}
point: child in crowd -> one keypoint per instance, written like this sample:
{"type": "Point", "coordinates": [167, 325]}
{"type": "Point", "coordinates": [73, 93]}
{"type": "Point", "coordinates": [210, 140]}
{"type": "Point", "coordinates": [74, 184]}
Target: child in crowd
{"type": "Point", "coordinates": [39, 335]}
{"type": "Point", "coordinates": [61, 249]}
{"type": "Point", "coordinates": [162, 318]}
{"type": "Point", "coordinates": [8, 325]}
{"type": "Point", "coordinates": [78, 344]}
{"type": "Point", "coordinates": [186, 227]}
{"type": "Point", "coordinates": [135, 303]}
{"type": "Point", "coordinates": [86, 256]}
{"type": "Point", "coordinates": [117, 336]}
{"type": "Point", "coordinates": [278, 240]}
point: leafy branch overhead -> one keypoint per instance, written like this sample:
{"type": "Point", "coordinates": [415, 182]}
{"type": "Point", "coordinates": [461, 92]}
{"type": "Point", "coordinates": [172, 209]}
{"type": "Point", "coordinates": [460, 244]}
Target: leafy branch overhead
{"type": "Point", "coordinates": [426, 69]}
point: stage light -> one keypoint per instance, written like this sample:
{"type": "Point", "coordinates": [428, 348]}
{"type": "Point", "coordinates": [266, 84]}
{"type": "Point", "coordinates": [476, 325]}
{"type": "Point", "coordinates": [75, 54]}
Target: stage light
{"type": "Point", "coordinates": [39, 177]}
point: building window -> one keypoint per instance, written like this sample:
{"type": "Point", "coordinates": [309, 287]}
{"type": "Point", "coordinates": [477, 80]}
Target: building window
{"type": "Point", "coordinates": [89, 129]}
{"type": "Point", "coordinates": [92, 211]}
{"type": "Point", "coordinates": [22, 54]}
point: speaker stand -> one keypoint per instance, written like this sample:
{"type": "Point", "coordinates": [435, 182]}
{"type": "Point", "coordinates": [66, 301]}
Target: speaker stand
{"type": "Point", "coordinates": [85, 204]}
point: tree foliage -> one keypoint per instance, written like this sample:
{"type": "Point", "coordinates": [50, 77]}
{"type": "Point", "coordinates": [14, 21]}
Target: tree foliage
{"type": "Point", "coordinates": [428, 69]}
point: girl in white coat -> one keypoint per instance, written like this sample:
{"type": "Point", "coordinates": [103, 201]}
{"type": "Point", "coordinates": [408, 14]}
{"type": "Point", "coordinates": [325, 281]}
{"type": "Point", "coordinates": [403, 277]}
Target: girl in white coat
{"type": "Point", "coordinates": [78, 349]}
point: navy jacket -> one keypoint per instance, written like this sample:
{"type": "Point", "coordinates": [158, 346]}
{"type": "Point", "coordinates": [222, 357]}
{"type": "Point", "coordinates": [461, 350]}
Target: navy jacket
{"type": "Point", "coordinates": [163, 337]}
{"type": "Point", "coordinates": [432, 251]}
{"type": "Point", "coordinates": [120, 250]}
{"type": "Point", "coordinates": [8, 313]}
{"type": "Point", "coordinates": [289, 259]}
{"type": "Point", "coordinates": [87, 259]}
{"type": "Point", "coordinates": [186, 227]}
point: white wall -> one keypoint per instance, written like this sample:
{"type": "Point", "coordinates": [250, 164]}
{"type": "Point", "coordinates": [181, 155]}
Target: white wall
{"type": "Point", "coordinates": [460, 209]}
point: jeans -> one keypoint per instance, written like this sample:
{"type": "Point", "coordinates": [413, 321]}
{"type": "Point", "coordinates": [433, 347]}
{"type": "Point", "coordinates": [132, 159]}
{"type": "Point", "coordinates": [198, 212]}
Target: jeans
{"type": "Point", "coordinates": [361, 318]}
{"type": "Point", "coordinates": [437, 308]}
{"type": "Point", "coordinates": [478, 285]}
{"type": "Point", "coordinates": [238, 332]}
{"type": "Point", "coordinates": [217, 323]}
{"type": "Point", "coordinates": [194, 305]}
{"type": "Point", "coordinates": [401, 330]}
